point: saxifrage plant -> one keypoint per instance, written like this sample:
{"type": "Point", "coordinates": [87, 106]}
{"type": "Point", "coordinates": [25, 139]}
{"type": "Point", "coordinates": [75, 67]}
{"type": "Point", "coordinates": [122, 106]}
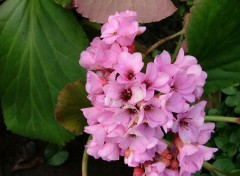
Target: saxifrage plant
{"type": "Point", "coordinates": [39, 47]}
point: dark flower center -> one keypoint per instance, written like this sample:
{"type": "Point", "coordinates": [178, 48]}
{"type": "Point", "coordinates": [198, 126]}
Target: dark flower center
{"type": "Point", "coordinates": [132, 111]}
{"type": "Point", "coordinates": [126, 94]}
{"type": "Point", "coordinates": [183, 124]}
{"type": "Point", "coordinates": [130, 75]}
{"type": "Point", "coordinates": [147, 83]}
{"type": "Point", "coordinates": [147, 107]}
{"type": "Point", "coordinates": [132, 135]}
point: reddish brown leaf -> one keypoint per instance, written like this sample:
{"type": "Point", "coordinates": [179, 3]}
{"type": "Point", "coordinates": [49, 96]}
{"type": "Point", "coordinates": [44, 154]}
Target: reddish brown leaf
{"type": "Point", "coordinates": [147, 10]}
{"type": "Point", "coordinates": [71, 99]}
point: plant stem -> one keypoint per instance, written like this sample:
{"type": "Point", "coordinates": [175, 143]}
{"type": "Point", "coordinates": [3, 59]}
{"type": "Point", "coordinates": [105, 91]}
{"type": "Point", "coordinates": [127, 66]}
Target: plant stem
{"type": "Point", "coordinates": [85, 160]}
{"type": "Point", "coordinates": [211, 168]}
{"type": "Point", "coordinates": [208, 166]}
{"type": "Point", "coordinates": [161, 41]}
{"type": "Point", "coordinates": [223, 119]}
{"type": "Point", "coordinates": [179, 44]}
{"type": "Point", "coordinates": [85, 163]}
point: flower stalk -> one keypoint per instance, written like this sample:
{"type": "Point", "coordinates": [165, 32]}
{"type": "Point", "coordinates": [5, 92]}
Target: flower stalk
{"type": "Point", "coordinates": [223, 119]}
{"type": "Point", "coordinates": [213, 169]}
{"type": "Point", "coordinates": [85, 160]}
{"type": "Point", "coordinates": [161, 41]}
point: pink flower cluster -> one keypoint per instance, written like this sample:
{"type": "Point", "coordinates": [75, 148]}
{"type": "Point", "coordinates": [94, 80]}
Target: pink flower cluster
{"type": "Point", "coordinates": [133, 111]}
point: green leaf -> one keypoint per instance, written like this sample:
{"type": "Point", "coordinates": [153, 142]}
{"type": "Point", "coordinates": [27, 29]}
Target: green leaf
{"type": "Point", "coordinates": [220, 141]}
{"type": "Point", "coordinates": [58, 159]}
{"type": "Point", "coordinates": [213, 37]}
{"type": "Point", "coordinates": [237, 109]}
{"type": "Point", "coordinates": [233, 100]}
{"type": "Point", "coordinates": [224, 165]}
{"type": "Point", "coordinates": [55, 155]}
{"type": "Point", "coordinates": [51, 150]}
{"type": "Point", "coordinates": [63, 2]}
{"type": "Point", "coordinates": [40, 46]}
{"type": "Point", "coordinates": [70, 100]}
{"type": "Point", "coordinates": [235, 173]}
{"type": "Point", "coordinates": [230, 90]}
{"type": "Point", "coordinates": [235, 137]}
{"type": "Point", "coordinates": [230, 149]}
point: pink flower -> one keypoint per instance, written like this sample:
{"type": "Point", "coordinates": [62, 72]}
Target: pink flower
{"type": "Point", "coordinates": [100, 55]}
{"type": "Point", "coordinates": [184, 61]}
{"type": "Point", "coordinates": [151, 113]}
{"type": "Point", "coordinates": [189, 64]}
{"type": "Point", "coordinates": [154, 80]}
{"type": "Point", "coordinates": [188, 124]}
{"type": "Point", "coordinates": [92, 58]}
{"type": "Point", "coordinates": [129, 65]}
{"type": "Point", "coordinates": [134, 157]}
{"type": "Point", "coordinates": [163, 62]}
{"type": "Point", "coordinates": [94, 88]}
{"type": "Point", "coordinates": [132, 110]}
{"type": "Point", "coordinates": [139, 138]}
{"type": "Point", "coordinates": [96, 115]}
{"type": "Point", "coordinates": [159, 169]}
{"type": "Point", "coordinates": [122, 28]}
{"type": "Point", "coordinates": [155, 169]}
{"type": "Point", "coordinates": [118, 94]}
{"type": "Point", "coordinates": [126, 116]}
{"type": "Point", "coordinates": [98, 133]}
{"type": "Point", "coordinates": [107, 151]}
{"type": "Point", "coordinates": [205, 132]}
{"type": "Point", "coordinates": [139, 145]}
{"type": "Point", "coordinates": [191, 157]}
{"type": "Point", "coordinates": [185, 85]}
{"type": "Point", "coordinates": [200, 77]}
{"type": "Point", "coordinates": [173, 102]}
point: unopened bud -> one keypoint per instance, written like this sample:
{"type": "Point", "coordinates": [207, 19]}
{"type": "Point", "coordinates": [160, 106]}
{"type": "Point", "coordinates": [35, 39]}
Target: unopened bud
{"type": "Point", "coordinates": [138, 171]}
{"type": "Point", "coordinates": [178, 142]}
{"type": "Point", "coordinates": [165, 161]}
{"type": "Point", "coordinates": [165, 153]}
{"type": "Point", "coordinates": [127, 153]}
{"type": "Point", "coordinates": [174, 164]}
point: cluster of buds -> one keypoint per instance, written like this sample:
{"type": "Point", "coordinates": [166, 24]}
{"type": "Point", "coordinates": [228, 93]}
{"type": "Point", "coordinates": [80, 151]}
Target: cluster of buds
{"type": "Point", "coordinates": [133, 111]}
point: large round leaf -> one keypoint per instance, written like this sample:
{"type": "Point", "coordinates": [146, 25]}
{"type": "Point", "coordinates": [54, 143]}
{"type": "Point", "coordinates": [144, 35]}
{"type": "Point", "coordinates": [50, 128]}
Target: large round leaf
{"type": "Point", "coordinates": [63, 2]}
{"type": "Point", "coordinates": [147, 10]}
{"type": "Point", "coordinates": [71, 99]}
{"type": "Point", "coordinates": [40, 46]}
{"type": "Point", "coordinates": [213, 37]}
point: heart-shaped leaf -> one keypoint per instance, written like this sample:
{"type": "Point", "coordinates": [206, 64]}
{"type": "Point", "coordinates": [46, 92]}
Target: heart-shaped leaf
{"type": "Point", "coordinates": [147, 10]}
{"type": "Point", "coordinates": [40, 46]}
{"type": "Point", "coordinates": [235, 173]}
{"type": "Point", "coordinates": [63, 2]}
{"type": "Point", "coordinates": [213, 37]}
{"type": "Point", "coordinates": [70, 100]}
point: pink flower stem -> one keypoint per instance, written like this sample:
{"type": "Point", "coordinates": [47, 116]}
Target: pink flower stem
{"type": "Point", "coordinates": [223, 119]}
{"type": "Point", "coordinates": [85, 160]}
{"type": "Point", "coordinates": [161, 41]}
